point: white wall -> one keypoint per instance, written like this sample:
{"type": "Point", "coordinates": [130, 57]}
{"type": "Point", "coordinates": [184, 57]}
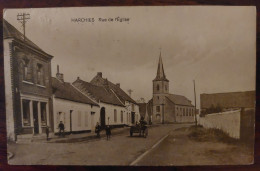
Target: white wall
{"type": "Point", "coordinates": [8, 91]}
{"type": "Point", "coordinates": [81, 115]}
{"type": "Point", "coordinates": [228, 122]}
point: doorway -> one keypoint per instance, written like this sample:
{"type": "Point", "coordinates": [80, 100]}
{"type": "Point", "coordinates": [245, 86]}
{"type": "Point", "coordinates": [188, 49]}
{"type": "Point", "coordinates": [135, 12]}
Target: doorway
{"type": "Point", "coordinates": [35, 117]}
{"type": "Point", "coordinates": [133, 117]}
{"type": "Point", "coordinates": [102, 117]}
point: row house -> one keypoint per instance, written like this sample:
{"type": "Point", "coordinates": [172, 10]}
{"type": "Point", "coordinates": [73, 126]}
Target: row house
{"type": "Point", "coordinates": [70, 106]}
{"type": "Point", "coordinates": [116, 107]}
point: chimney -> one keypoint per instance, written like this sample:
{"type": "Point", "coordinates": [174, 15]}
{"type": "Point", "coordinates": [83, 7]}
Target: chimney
{"type": "Point", "coordinates": [106, 85]}
{"type": "Point", "coordinates": [118, 85]}
{"type": "Point", "coordinates": [59, 75]}
{"type": "Point", "coordinates": [99, 74]}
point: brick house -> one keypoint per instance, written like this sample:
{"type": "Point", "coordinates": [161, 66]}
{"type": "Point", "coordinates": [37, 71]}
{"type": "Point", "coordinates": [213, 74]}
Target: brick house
{"type": "Point", "coordinates": [28, 85]}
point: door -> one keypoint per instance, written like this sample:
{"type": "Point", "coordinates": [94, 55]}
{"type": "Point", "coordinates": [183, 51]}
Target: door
{"type": "Point", "coordinates": [102, 117]}
{"type": "Point", "coordinates": [35, 117]}
{"type": "Point", "coordinates": [133, 117]}
{"type": "Point", "coordinates": [92, 120]}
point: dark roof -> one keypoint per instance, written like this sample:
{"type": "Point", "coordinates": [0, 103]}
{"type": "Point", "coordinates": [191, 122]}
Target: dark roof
{"type": "Point", "coordinates": [9, 31]}
{"type": "Point", "coordinates": [64, 90]}
{"type": "Point", "coordinates": [103, 94]}
{"type": "Point", "coordinates": [142, 109]}
{"type": "Point", "coordinates": [179, 100]}
{"type": "Point", "coordinates": [228, 100]}
{"type": "Point", "coordinates": [99, 81]}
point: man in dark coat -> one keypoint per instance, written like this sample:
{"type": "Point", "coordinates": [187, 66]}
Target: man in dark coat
{"type": "Point", "coordinates": [97, 130]}
{"type": "Point", "coordinates": [61, 128]}
{"type": "Point", "coordinates": [108, 132]}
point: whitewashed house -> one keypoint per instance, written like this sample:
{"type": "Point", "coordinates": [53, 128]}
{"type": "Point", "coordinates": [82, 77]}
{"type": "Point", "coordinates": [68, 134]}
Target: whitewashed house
{"type": "Point", "coordinates": [72, 107]}
{"type": "Point", "coordinates": [116, 107]}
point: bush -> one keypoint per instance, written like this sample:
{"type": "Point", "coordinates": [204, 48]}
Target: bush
{"type": "Point", "coordinates": [214, 135]}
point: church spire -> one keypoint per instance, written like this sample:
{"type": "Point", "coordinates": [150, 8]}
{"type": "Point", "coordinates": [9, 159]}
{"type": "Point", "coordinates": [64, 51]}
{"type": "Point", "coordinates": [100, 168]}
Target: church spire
{"type": "Point", "coordinates": [160, 71]}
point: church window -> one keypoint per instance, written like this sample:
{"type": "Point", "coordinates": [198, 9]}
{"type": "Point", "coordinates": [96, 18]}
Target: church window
{"type": "Point", "coordinates": [166, 87]}
{"type": "Point", "coordinates": [157, 108]}
{"type": "Point", "coordinates": [158, 87]}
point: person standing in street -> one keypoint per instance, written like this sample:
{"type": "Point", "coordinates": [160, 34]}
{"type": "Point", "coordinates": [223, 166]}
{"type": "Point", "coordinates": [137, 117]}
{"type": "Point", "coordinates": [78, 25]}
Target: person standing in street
{"type": "Point", "coordinates": [61, 129]}
{"type": "Point", "coordinates": [97, 130]}
{"type": "Point", "coordinates": [108, 132]}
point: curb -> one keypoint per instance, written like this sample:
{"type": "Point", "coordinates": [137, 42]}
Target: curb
{"type": "Point", "coordinates": [10, 155]}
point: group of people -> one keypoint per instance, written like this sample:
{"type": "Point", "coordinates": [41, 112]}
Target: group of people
{"type": "Point", "coordinates": [98, 130]}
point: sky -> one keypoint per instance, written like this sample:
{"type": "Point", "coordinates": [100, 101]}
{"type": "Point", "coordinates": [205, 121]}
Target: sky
{"type": "Point", "coordinates": [213, 45]}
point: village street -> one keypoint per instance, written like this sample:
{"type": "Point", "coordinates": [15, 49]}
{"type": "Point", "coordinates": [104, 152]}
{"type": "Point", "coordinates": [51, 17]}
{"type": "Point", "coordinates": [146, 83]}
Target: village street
{"type": "Point", "coordinates": [165, 145]}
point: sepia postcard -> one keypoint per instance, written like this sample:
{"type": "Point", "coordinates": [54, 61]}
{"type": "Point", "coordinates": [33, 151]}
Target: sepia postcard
{"type": "Point", "coordinates": [130, 86]}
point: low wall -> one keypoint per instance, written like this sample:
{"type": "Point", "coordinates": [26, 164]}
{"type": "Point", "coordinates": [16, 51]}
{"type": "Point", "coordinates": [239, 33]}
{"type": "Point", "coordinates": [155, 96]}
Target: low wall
{"type": "Point", "coordinates": [229, 122]}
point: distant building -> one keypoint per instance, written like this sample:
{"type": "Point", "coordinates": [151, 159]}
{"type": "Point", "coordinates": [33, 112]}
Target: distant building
{"type": "Point", "coordinates": [169, 107]}
{"type": "Point", "coordinates": [27, 85]}
{"type": "Point", "coordinates": [227, 101]}
{"type": "Point", "coordinates": [71, 107]}
{"type": "Point", "coordinates": [116, 107]}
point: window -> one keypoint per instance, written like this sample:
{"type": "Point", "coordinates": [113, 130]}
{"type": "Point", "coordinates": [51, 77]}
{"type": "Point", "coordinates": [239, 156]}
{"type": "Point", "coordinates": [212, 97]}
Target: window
{"type": "Point", "coordinates": [40, 74]}
{"type": "Point", "coordinates": [26, 112]}
{"type": "Point", "coordinates": [43, 113]}
{"type": "Point", "coordinates": [157, 108]}
{"type": "Point", "coordinates": [115, 115]}
{"type": "Point", "coordinates": [133, 107]}
{"type": "Point", "coordinates": [158, 87]}
{"type": "Point", "coordinates": [158, 97]}
{"type": "Point", "coordinates": [79, 118]}
{"type": "Point", "coordinates": [166, 87]}
{"type": "Point", "coordinates": [27, 76]}
{"type": "Point", "coordinates": [86, 119]}
{"type": "Point", "coordinates": [122, 119]}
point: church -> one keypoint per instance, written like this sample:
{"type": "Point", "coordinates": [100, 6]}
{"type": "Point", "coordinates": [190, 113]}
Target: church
{"type": "Point", "coordinates": [166, 107]}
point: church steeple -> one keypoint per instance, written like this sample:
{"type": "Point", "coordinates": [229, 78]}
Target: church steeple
{"type": "Point", "coordinates": [160, 71]}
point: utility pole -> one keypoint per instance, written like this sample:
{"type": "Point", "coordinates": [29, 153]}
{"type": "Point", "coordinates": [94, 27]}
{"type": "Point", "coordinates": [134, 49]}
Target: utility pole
{"type": "Point", "coordinates": [195, 102]}
{"type": "Point", "coordinates": [23, 18]}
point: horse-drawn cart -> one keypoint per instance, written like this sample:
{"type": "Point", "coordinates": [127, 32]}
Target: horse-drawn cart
{"type": "Point", "coordinates": [141, 129]}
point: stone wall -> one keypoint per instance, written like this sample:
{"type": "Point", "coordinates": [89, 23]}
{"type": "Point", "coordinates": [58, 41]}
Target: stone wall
{"type": "Point", "coordinates": [229, 122]}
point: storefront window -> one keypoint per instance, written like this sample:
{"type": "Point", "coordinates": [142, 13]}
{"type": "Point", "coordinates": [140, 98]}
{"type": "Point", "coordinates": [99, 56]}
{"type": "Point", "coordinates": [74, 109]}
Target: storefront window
{"type": "Point", "coordinates": [43, 113]}
{"type": "Point", "coordinates": [26, 112]}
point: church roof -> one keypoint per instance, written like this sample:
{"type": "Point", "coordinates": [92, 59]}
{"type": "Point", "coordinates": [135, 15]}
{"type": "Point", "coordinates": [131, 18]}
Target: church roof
{"type": "Point", "coordinates": [160, 71]}
{"type": "Point", "coordinates": [64, 90]}
{"type": "Point", "coordinates": [98, 93]}
{"type": "Point", "coordinates": [9, 31]}
{"type": "Point", "coordinates": [99, 81]}
{"type": "Point", "coordinates": [179, 100]}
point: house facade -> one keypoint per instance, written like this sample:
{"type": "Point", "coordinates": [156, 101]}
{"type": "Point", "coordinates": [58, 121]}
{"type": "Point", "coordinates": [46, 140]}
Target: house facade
{"type": "Point", "coordinates": [73, 108]}
{"type": "Point", "coordinates": [28, 85]}
{"type": "Point", "coordinates": [116, 107]}
{"type": "Point", "coordinates": [166, 107]}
